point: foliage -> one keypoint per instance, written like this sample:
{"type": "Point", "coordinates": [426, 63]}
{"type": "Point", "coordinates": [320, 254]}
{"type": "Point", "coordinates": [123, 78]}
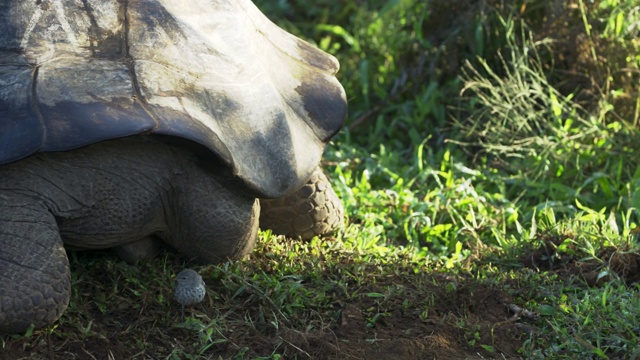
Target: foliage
{"type": "Point", "coordinates": [535, 127]}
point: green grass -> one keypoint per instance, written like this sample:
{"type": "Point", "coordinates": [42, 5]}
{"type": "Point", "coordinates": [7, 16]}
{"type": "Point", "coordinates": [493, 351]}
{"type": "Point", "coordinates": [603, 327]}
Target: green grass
{"type": "Point", "coordinates": [471, 180]}
{"type": "Point", "coordinates": [490, 159]}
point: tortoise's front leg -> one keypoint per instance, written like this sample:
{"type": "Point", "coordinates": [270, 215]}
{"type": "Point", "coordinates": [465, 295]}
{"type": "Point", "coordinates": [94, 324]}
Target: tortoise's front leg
{"type": "Point", "coordinates": [314, 210]}
{"type": "Point", "coordinates": [214, 220]}
{"type": "Point", "coordinates": [34, 269]}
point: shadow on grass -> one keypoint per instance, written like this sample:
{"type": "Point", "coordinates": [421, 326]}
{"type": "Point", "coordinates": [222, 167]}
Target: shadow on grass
{"type": "Point", "coordinates": [289, 299]}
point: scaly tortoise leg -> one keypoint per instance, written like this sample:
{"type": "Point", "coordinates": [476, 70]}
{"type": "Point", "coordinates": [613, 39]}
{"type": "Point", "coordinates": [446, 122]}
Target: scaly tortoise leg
{"type": "Point", "coordinates": [34, 269]}
{"type": "Point", "coordinates": [314, 210]}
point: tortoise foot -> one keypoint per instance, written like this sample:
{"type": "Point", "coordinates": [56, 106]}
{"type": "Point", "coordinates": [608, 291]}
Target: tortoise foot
{"type": "Point", "coordinates": [314, 210]}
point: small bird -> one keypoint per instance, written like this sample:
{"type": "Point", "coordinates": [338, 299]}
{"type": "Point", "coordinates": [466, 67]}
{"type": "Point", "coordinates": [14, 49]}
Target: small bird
{"type": "Point", "coordinates": [189, 288]}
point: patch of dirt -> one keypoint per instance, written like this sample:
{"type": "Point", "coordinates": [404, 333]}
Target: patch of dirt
{"type": "Point", "coordinates": [432, 315]}
{"type": "Point", "coordinates": [119, 311]}
{"type": "Point", "coordinates": [455, 326]}
{"type": "Point", "coordinates": [452, 331]}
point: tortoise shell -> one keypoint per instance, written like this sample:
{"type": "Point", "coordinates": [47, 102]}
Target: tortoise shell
{"type": "Point", "coordinates": [216, 72]}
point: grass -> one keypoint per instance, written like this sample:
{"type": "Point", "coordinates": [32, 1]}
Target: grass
{"type": "Point", "coordinates": [489, 163]}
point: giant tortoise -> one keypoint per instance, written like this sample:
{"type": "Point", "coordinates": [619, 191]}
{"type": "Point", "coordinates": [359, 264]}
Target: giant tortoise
{"type": "Point", "coordinates": [125, 119]}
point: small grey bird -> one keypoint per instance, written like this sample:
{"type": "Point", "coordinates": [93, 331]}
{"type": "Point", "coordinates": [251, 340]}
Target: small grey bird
{"type": "Point", "coordinates": [189, 288]}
